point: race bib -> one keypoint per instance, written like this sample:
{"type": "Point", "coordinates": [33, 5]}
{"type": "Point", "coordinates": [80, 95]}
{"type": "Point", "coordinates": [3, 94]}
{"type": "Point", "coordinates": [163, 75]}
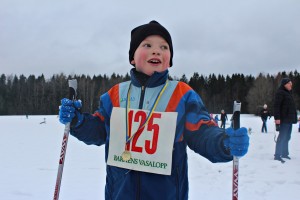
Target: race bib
{"type": "Point", "coordinates": [151, 146]}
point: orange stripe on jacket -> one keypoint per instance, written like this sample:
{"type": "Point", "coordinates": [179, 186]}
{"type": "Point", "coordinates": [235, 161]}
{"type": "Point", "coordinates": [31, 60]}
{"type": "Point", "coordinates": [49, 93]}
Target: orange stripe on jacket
{"type": "Point", "coordinates": [97, 114]}
{"type": "Point", "coordinates": [194, 127]}
{"type": "Point", "coordinates": [114, 96]}
{"type": "Point", "coordinates": [180, 90]}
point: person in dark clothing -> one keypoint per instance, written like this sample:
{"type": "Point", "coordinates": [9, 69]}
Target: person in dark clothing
{"type": "Point", "coordinates": [223, 118]}
{"type": "Point", "coordinates": [264, 114]}
{"type": "Point", "coordinates": [285, 116]}
{"type": "Point", "coordinates": [299, 125]}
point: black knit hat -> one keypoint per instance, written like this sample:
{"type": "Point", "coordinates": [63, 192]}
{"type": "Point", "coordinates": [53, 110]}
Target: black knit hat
{"type": "Point", "coordinates": [139, 33]}
{"type": "Point", "coordinates": [285, 81]}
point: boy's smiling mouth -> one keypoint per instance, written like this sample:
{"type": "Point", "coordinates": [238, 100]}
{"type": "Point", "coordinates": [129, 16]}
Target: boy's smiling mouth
{"type": "Point", "coordinates": [154, 61]}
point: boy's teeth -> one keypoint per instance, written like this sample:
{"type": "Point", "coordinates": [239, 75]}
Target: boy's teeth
{"type": "Point", "coordinates": [154, 61]}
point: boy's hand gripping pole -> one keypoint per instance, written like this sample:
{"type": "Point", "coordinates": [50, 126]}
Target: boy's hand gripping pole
{"type": "Point", "coordinates": [72, 96]}
{"type": "Point", "coordinates": [235, 126]}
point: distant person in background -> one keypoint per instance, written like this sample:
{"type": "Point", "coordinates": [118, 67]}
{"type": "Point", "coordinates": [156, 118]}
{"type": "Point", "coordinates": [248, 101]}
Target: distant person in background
{"type": "Point", "coordinates": [217, 119]}
{"type": "Point", "coordinates": [299, 125]}
{"type": "Point", "coordinates": [264, 114]}
{"type": "Point", "coordinates": [285, 116]}
{"type": "Point", "coordinates": [223, 118]}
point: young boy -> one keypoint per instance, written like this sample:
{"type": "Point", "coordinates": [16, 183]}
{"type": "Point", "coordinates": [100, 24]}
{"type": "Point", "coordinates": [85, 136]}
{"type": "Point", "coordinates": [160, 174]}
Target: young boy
{"type": "Point", "coordinates": [147, 123]}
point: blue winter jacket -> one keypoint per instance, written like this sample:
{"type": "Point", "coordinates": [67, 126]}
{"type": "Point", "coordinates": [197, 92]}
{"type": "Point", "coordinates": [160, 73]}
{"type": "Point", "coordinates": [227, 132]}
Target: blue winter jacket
{"type": "Point", "coordinates": [194, 129]}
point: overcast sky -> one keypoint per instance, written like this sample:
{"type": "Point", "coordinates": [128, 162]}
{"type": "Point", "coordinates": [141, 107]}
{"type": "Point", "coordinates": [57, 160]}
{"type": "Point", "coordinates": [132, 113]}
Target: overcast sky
{"type": "Point", "coordinates": [92, 36]}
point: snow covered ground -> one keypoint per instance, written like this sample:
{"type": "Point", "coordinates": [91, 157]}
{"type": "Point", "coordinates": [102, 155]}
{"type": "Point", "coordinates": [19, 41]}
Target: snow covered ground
{"type": "Point", "coordinates": [29, 153]}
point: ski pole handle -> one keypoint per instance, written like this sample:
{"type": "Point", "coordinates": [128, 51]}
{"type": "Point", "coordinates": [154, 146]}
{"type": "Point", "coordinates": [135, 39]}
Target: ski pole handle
{"type": "Point", "coordinates": [236, 114]}
{"type": "Point", "coordinates": [72, 89]}
{"type": "Point", "coordinates": [72, 96]}
{"type": "Point", "coordinates": [235, 172]}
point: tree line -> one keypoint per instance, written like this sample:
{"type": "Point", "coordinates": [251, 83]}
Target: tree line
{"type": "Point", "coordinates": [35, 95]}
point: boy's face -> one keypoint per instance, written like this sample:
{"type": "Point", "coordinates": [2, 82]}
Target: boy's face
{"type": "Point", "coordinates": [153, 54]}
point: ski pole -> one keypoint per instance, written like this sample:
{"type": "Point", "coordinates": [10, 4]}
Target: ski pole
{"type": "Point", "coordinates": [72, 96]}
{"type": "Point", "coordinates": [235, 173]}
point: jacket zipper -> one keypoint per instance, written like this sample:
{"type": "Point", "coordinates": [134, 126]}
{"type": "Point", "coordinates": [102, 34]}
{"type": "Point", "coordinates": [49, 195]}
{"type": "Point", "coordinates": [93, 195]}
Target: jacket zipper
{"type": "Point", "coordinates": [138, 193]}
{"type": "Point", "coordinates": [177, 183]}
{"type": "Point", "coordinates": [142, 97]}
{"type": "Point", "coordinates": [138, 173]}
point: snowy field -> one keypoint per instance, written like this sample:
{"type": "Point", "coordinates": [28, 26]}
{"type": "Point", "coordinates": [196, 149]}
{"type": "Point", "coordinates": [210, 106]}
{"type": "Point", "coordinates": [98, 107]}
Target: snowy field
{"type": "Point", "coordinates": [29, 153]}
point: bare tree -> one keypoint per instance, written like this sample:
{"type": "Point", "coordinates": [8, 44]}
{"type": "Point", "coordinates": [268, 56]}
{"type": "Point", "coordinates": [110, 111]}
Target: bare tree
{"type": "Point", "coordinates": [261, 93]}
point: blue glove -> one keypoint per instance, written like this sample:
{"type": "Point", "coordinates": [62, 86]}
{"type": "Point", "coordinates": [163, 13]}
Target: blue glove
{"type": "Point", "coordinates": [237, 141]}
{"type": "Point", "coordinates": [70, 110]}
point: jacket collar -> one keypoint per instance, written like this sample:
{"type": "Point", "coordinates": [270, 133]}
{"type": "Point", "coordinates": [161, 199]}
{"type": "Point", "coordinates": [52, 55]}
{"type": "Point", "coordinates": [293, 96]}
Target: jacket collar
{"type": "Point", "coordinates": [156, 79]}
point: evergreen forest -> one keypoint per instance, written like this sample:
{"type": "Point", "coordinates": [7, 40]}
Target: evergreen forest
{"type": "Point", "coordinates": [35, 95]}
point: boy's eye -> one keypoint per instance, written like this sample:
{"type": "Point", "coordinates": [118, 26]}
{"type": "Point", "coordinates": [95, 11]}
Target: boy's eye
{"type": "Point", "coordinates": [164, 47]}
{"type": "Point", "coordinates": [146, 45]}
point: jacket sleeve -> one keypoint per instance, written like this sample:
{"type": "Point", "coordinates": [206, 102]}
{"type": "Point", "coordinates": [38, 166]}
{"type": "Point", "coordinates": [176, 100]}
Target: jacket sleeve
{"type": "Point", "coordinates": [202, 134]}
{"type": "Point", "coordinates": [95, 127]}
{"type": "Point", "coordinates": [91, 131]}
{"type": "Point", "coordinates": [277, 103]}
